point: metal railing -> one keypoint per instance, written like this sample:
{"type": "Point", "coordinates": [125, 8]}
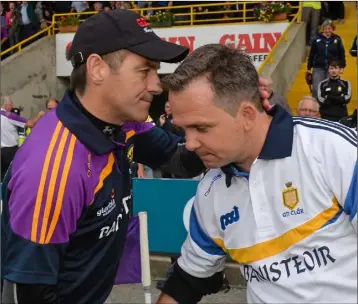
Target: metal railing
{"type": "Point", "coordinates": [195, 16]}
{"type": "Point", "coordinates": [56, 18]}
{"type": "Point", "coordinates": [245, 12]}
{"type": "Point", "coordinates": [18, 47]}
{"type": "Point", "coordinates": [270, 58]}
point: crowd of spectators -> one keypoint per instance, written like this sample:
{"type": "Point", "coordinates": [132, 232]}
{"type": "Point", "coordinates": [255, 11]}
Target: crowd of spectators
{"type": "Point", "coordinates": [22, 19]}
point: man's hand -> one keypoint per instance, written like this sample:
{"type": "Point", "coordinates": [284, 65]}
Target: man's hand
{"type": "Point", "coordinates": [264, 94]}
{"type": "Point", "coordinates": [165, 299]}
{"type": "Point", "coordinates": [140, 171]}
{"type": "Point", "coordinates": [162, 120]}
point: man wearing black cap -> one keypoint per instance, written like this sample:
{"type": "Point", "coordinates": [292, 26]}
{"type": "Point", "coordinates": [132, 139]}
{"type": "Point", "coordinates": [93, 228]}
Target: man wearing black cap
{"type": "Point", "coordinates": [66, 203]}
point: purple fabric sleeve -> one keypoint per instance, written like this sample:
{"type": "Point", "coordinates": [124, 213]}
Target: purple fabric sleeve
{"type": "Point", "coordinates": [129, 270]}
{"type": "Point", "coordinates": [4, 33]}
{"type": "Point", "coordinates": [137, 127]}
{"type": "Point", "coordinates": [15, 117]}
{"type": "Point", "coordinates": [47, 185]}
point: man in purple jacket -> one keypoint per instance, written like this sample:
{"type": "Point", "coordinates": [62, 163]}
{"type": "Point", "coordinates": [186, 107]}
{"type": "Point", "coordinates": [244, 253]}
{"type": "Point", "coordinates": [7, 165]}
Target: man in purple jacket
{"type": "Point", "coordinates": [66, 197]}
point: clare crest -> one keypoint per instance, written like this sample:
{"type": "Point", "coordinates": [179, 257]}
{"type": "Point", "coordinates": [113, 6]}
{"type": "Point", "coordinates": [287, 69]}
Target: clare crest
{"type": "Point", "coordinates": [290, 196]}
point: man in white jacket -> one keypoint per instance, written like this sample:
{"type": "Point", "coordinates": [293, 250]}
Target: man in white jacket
{"type": "Point", "coordinates": [280, 199]}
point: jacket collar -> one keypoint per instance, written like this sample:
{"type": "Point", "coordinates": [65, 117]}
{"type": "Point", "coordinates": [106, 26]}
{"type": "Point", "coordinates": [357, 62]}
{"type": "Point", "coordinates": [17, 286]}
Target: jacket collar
{"type": "Point", "coordinates": [86, 127]}
{"type": "Point", "coordinates": [278, 143]}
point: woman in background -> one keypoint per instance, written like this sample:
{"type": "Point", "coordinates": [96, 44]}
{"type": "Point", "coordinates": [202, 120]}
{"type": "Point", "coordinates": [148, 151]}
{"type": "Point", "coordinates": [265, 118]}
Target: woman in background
{"type": "Point", "coordinates": [326, 46]}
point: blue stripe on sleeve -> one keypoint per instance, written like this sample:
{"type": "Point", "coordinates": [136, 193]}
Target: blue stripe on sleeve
{"type": "Point", "coordinates": [200, 238]}
{"type": "Point", "coordinates": [333, 129]}
{"type": "Point", "coordinates": [350, 205]}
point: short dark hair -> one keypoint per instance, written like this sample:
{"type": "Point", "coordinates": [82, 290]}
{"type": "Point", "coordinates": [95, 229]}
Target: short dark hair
{"type": "Point", "coordinates": [335, 63]}
{"type": "Point", "coordinates": [78, 78]}
{"type": "Point", "coordinates": [230, 72]}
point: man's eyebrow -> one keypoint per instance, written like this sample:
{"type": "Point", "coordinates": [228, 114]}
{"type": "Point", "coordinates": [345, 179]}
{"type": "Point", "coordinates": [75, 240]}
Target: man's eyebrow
{"type": "Point", "coordinates": [154, 64]}
{"type": "Point", "coordinates": [199, 125]}
{"type": "Point", "coordinates": [149, 64]}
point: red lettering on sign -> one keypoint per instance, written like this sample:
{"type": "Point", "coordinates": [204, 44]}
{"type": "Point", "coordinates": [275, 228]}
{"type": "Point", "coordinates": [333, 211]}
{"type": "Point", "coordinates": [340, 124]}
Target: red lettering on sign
{"type": "Point", "coordinates": [228, 40]}
{"type": "Point", "coordinates": [187, 41]}
{"type": "Point", "coordinates": [251, 43]}
{"type": "Point", "coordinates": [270, 40]}
{"type": "Point", "coordinates": [245, 43]}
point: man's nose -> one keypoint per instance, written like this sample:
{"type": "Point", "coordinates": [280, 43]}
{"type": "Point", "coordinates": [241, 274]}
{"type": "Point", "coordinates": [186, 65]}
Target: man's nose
{"type": "Point", "coordinates": [191, 143]}
{"type": "Point", "coordinates": [153, 85]}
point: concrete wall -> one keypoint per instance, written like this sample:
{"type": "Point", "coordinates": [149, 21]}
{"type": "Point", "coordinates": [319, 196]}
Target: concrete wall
{"type": "Point", "coordinates": [287, 59]}
{"type": "Point", "coordinates": [30, 77]}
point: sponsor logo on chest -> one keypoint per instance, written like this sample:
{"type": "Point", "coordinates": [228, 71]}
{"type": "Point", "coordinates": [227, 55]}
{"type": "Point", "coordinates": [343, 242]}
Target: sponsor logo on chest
{"type": "Point", "coordinates": [229, 218]}
{"type": "Point", "coordinates": [111, 205]}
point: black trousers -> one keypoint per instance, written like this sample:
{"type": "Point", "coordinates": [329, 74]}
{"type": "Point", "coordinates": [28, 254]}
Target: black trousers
{"type": "Point", "coordinates": [7, 155]}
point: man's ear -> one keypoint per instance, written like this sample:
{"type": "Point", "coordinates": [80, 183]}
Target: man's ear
{"type": "Point", "coordinates": [97, 70]}
{"type": "Point", "coordinates": [247, 114]}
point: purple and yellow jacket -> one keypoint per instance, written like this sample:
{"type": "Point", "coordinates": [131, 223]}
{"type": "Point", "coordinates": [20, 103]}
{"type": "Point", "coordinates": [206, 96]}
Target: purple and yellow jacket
{"type": "Point", "coordinates": [67, 199]}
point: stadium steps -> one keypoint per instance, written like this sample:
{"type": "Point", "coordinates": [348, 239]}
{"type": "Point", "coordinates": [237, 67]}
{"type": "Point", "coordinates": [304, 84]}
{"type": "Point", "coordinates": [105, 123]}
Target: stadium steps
{"type": "Point", "coordinates": [347, 31]}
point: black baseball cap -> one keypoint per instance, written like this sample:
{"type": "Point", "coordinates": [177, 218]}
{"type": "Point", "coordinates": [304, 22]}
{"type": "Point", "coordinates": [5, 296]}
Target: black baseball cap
{"type": "Point", "coordinates": [118, 29]}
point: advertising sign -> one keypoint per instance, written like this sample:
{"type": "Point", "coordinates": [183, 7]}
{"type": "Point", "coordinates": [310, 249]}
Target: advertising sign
{"type": "Point", "coordinates": [256, 39]}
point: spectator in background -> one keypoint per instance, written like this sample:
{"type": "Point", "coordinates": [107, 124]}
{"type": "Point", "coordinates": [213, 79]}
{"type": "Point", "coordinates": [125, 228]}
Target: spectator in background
{"type": "Point", "coordinates": [310, 15]}
{"type": "Point", "coordinates": [275, 98]}
{"type": "Point", "coordinates": [39, 11]}
{"type": "Point", "coordinates": [9, 132]}
{"type": "Point", "coordinates": [162, 3]}
{"type": "Point", "coordinates": [61, 7]}
{"type": "Point", "coordinates": [117, 4]}
{"type": "Point", "coordinates": [166, 121]}
{"type": "Point", "coordinates": [20, 131]}
{"type": "Point", "coordinates": [13, 22]}
{"type": "Point", "coordinates": [87, 9]}
{"type": "Point", "coordinates": [336, 10]}
{"type": "Point", "coordinates": [353, 50]}
{"type": "Point", "coordinates": [334, 94]}
{"type": "Point", "coordinates": [201, 12]}
{"type": "Point", "coordinates": [125, 5]}
{"type": "Point", "coordinates": [4, 33]}
{"type": "Point", "coordinates": [111, 5]}
{"type": "Point", "coordinates": [326, 47]}
{"type": "Point", "coordinates": [51, 104]}
{"type": "Point", "coordinates": [78, 6]}
{"type": "Point", "coordinates": [29, 21]}
{"type": "Point", "coordinates": [24, 132]}
{"type": "Point", "coordinates": [48, 15]}
{"type": "Point", "coordinates": [98, 6]}
{"type": "Point", "coordinates": [142, 4]}
{"type": "Point", "coordinates": [2, 16]}
{"type": "Point", "coordinates": [308, 106]}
